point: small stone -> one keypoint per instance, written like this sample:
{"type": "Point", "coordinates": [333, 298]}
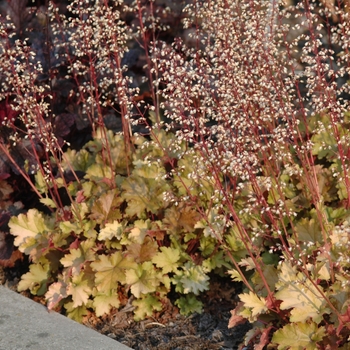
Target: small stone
{"type": "Point", "coordinates": [217, 335]}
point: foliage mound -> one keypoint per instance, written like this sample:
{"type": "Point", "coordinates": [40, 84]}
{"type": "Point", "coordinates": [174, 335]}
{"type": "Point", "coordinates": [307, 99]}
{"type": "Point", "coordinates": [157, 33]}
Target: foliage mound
{"type": "Point", "coordinates": [119, 234]}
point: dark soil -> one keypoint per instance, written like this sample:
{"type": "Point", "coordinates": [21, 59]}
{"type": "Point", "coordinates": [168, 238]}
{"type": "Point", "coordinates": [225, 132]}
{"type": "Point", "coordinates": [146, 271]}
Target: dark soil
{"type": "Point", "coordinates": [167, 330]}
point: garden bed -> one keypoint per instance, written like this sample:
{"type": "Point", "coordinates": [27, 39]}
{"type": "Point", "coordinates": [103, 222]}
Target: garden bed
{"type": "Point", "coordinates": [167, 330]}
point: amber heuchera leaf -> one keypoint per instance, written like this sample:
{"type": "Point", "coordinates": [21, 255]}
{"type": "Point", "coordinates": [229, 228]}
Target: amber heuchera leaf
{"type": "Point", "coordinates": [32, 232]}
{"type": "Point", "coordinates": [110, 271]}
{"type": "Point", "coordinates": [111, 230]}
{"type": "Point", "coordinates": [143, 195]}
{"type": "Point", "coordinates": [146, 306]}
{"type": "Point", "coordinates": [254, 302]}
{"type": "Point", "coordinates": [300, 295]}
{"type": "Point", "coordinates": [296, 336]}
{"type": "Point", "coordinates": [36, 279]}
{"type": "Point", "coordinates": [143, 279]}
{"type": "Point", "coordinates": [167, 259]}
{"type": "Point", "coordinates": [106, 208]}
{"type": "Point", "coordinates": [76, 259]}
{"type": "Point", "coordinates": [57, 291]}
{"type": "Point", "coordinates": [80, 290]}
{"type": "Point", "coordinates": [142, 252]}
{"type": "Point", "coordinates": [235, 319]}
{"type": "Point", "coordinates": [264, 338]}
{"type": "Point", "coordinates": [26, 226]}
{"type": "Point", "coordinates": [188, 218]}
{"type": "Point", "coordinates": [103, 303]}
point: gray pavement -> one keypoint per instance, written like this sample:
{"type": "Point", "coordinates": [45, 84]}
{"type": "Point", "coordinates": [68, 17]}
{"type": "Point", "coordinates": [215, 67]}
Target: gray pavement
{"type": "Point", "coordinates": [25, 324]}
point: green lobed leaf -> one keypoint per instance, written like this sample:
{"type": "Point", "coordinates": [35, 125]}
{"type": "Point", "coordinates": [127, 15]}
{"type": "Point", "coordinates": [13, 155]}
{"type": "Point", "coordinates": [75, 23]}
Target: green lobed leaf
{"type": "Point", "coordinates": [324, 144]}
{"type": "Point", "coordinates": [235, 275]}
{"type": "Point", "coordinates": [80, 290]}
{"type": "Point", "coordinates": [143, 279]}
{"type": "Point", "coordinates": [48, 202]}
{"type": "Point", "coordinates": [76, 313]}
{"type": "Point", "coordinates": [167, 259]}
{"type": "Point", "coordinates": [309, 231]}
{"type": "Point", "coordinates": [67, 227]}
{"type": "Point", "coordinates": [78, 160]}
{"type": "Point", "coordinates": [189, 304]}
{"type": "Point", "coordinates": [36, 279]}
{"type": "Point", "coordinates": [97, 172]}
{"type": "Point", "coordinates": [148, 169]}
{"type": "Point", "coordinates": [103, 303]}
{"type": "Point", "coordinates": [270, 275]}
{"type": "Point", "coordinates": [111, 230]}
{"type": "Point", "coordinates": [191, 279]}
{"type": "Point", "coordinates": [145, 306]}
{"type": "Point", "coordinates": [40, 184]}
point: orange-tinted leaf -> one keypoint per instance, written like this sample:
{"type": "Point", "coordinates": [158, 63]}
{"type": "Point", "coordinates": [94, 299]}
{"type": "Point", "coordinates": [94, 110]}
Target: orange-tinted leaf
{"type": "Point", "coordinates": [235, 319]}
{"type": "Point", "coordinates": [142, 252]}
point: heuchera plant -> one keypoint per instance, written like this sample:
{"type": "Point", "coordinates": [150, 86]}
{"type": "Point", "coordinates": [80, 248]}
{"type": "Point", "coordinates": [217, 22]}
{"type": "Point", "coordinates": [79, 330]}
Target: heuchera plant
{"type": "Point", "coordinates": [280, 172]}
{"type": "Point", "coordinates": [119, 234]}
{"type": "Point", "coordinates": [243, 166]}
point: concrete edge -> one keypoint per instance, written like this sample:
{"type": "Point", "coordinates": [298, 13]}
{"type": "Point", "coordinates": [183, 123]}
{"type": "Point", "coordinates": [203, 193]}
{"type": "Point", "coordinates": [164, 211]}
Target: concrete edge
{"type": "Point", "coordinates": [25, 324]}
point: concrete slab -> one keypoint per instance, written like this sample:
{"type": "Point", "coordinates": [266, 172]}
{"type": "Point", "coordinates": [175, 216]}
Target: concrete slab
{"type": "Point", "coordinates": [25, 324]}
